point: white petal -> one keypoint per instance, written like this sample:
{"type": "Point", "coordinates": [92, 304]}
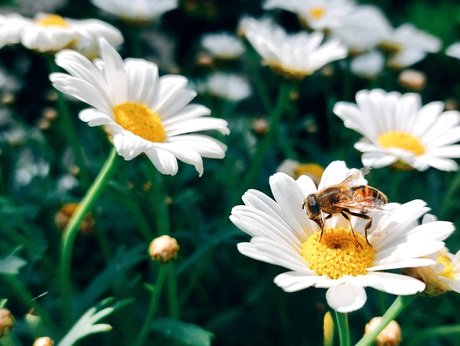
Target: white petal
{"type": "Point", "coordinates": [94, 118]}
{"type": "Point", "coordinates": [346, 297]}
{"type": "Point", "coordinates": [394, 283]}
{"type": "Point", "coordinates": [200, 124]}
{"type": "Point", "coordinates": [295, 281]}
{"type": "Point", "coordinates": [164, 161]}
{"type": "Point", "coordinates": [142, 79]}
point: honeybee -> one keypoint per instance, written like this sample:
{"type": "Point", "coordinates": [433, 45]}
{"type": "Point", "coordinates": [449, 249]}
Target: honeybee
{"type": "Point", "coordinates": [346, 198]}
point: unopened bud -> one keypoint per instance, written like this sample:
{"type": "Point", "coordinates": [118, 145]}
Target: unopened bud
{"type": "Point", "coordinates": [43, 341]}
{"type": "Point", "coordinates": [6, 322]}
{"type": "Point", "coordinates": [412, 79]}
{"type": "Point", "coordinates": [65, 213]}
{"type": "Point", "coordinates": [163, 249]}
{"type": "Point", "coordinates": [260, 126]}
{"type": "Point", "coordinates": [390, 336]}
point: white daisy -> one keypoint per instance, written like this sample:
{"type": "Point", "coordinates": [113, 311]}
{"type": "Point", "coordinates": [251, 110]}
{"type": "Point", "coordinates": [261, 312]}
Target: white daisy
{"type": "Point", "coordinates": [145, 113]}
{"type": "Point", "coordinates": [453, 50]}
{"type": "Point", "coordinates": [51, 33]}
{"type": "Point", "coordinates": [294, 55]}
{"type": "Point", "coordinates": [222, 45]}
{"type": "Point", "coordinates": [362, 29]}
{"type": "Point", "coordinates": [283, 235]}
{"type": "Point", "coordinates": [409, 45]}
{"type": "Point", "coordinates": [316, 14]}
{"type": "Point", "coordinates": [228, 86]}
{"type": "Point", "coordinates": [142, 11]}
{"type": "Point", "coordinates": [398, 131]}
{"type": "Point", "coordinates": [441, 277]}
{"type": "Point", "coordinates": [368, 65]}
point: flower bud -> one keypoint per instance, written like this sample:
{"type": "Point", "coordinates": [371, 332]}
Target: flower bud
{"type": "Point", "coordinates": [412, 79]}
{"type": "Point", "coordinates": [163, 249]}
{"type": "Point", "coordinates": [390, 336]}
{"type": "Point", "coordinates": [6, 322]}
{"type": "Point", "coordinates": [43, 341]}
{"type": "Point", "coordinates": [64, 214]}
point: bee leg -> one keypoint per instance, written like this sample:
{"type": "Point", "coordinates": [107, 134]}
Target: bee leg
{"type": "Point", "coordinates": [345, 213]}
{"type": "Point", "coordinates": [368, 225]}
{"type": "Point", "coordinates": [320, 223]}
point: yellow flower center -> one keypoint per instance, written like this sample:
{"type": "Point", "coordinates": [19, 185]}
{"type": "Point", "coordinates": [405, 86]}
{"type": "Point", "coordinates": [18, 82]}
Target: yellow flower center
{"type": "Point", "coordinates": [338, 253]}
{"type": "Point", "coordinates": [402, 140]}
{"type": "Point", "coordinates": [140, 120]}
{"type": "Point", "coordinates": [448, 271]}
{"type": "Point", "coordinates": [286, 72]}
{"type": "Point", "coordinates": [317, 12]}
{"type": "Point", "coordinates": [52, 20]}
{"type": "Point", "coordinates": [313, 170]}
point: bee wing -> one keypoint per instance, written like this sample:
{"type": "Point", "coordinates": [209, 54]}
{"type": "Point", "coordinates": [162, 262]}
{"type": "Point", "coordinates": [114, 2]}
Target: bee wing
{"type": "Point", "coordinates": [352, 179]}
{"type": "Point", "coordinates": [363, 205]}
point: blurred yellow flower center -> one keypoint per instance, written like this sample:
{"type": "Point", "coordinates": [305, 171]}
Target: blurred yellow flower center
{"type": "Point", "coordinates": [52, 20]}
{"type": "Point", "coordinates": [402, 140]}
{"type": "Point", "coordinates": [140, 120]}
{"type": "Point", "coordinates": [338, 253]}
{"type": "Point", "coordinates": [286, 72]}
{"type": "Point", "coordinates": [448, 271]}
{"type": "Point", "coordinates": [317, 12]}
{"type": "Point", "coordinates": [313, 170]}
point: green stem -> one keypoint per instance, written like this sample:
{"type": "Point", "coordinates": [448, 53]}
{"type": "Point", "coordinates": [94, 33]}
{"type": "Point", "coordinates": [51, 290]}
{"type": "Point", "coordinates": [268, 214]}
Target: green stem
{"type": "Point", "coordinates": [422, 336]}
{"type": "Point", "coordinates": [174, 308]}
{"type": "Point", "coordinates": [159, 283]}
{"type": "Point", "coordinates": [344, 330]}
{"type": "Point", "coordinates": [393, 311]}
{"type": "Point", "coordinates": [70, 232]}
{"type": "Point", "coordinates": [259, 83]}
{"type": "Point", "coordinates": [267, 141]}
{"type": "Point", "coordinates": [68, 129]}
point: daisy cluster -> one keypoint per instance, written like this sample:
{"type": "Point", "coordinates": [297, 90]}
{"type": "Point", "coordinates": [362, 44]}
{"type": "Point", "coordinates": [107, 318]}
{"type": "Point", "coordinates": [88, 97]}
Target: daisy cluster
{"type": "Point", "coordinates": [336, 122]}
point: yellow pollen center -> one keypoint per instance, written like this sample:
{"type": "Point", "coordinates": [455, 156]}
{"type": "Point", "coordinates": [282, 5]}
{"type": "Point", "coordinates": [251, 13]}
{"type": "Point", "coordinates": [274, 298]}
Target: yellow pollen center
{"type": "Point", "coordinates": [52, 20]}
{"type": "Point", "coordinates": [317, 12]}
{"type": "Point", "coordinates": [338, 253]}
{"type": "Point", "coordinates": [448, 271]}
{"type": "Point", "coordinates": [402, 140]}
{"type": "Point", "coordinates": [140, 120]}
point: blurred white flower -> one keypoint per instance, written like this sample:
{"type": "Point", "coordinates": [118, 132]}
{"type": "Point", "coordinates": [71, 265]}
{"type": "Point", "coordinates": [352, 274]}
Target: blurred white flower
{"type": "Point", "coordinates": [283, 235]}
{"type": "Point", "coordinates": [28, 167]}
{"type": "Point", "coordinates": [51, 33]}
{"type": "Point", "coordinates": [368, 65]}
{"type": "Point", "coordinates": [398, 131]}
{"type": "Point", "coordinates": [222, 45]}
{"type": "Point", "coordinates": [316, 14]}
{"type": "Point", "coordinates": [143, 112]}
{"type": "Point", "coordinates": [228, 86]}
{"type": "Point", "coordinates": [362, 29]}
{"type": "Point", "coordinates": [408, 45]}
{"type": "Point", "coordinates": [441, 277]}
{"type": "Point", "coordinates": [454, 50]}
{"type": "Point", "coordinates": [142, 11]}
{"type": "Point", "coordinates": [293, 55]}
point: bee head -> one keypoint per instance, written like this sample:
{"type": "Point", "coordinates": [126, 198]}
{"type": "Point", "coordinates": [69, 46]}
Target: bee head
{"type": "Point", "coordinates": [313, 209]}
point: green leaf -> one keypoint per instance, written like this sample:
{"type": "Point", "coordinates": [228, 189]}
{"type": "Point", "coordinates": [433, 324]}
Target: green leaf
{"type": "Point", "coordinates": [11, 263]}
{"type": "Point", "coordinates": [185, 333]}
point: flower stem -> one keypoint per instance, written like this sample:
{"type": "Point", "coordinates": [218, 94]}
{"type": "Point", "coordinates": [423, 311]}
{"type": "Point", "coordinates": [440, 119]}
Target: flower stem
{"type": "Point", "coordinates": [344, 331]}
{"type": "Point", "coordinates": [156, 294]}
{"type": "Point", "coordinates": [70, 232]}
{"type": "Point", "coordinates": [393, 311]}
{"type": "Point", "coordinates": [68, 128]}
{"type": "Point", "coordinates": [267, 142]}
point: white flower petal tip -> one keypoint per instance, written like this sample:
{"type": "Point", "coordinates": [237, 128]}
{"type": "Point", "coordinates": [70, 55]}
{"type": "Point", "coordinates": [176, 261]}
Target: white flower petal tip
{"type": "Point", "coordinates": [283, 235]}
{"type": "Point", "coordinates": [346, 298]}
{"type": "Point", "coordinates": [399, 131]}
{"type": "Point", "coordinates": [162, 123]}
